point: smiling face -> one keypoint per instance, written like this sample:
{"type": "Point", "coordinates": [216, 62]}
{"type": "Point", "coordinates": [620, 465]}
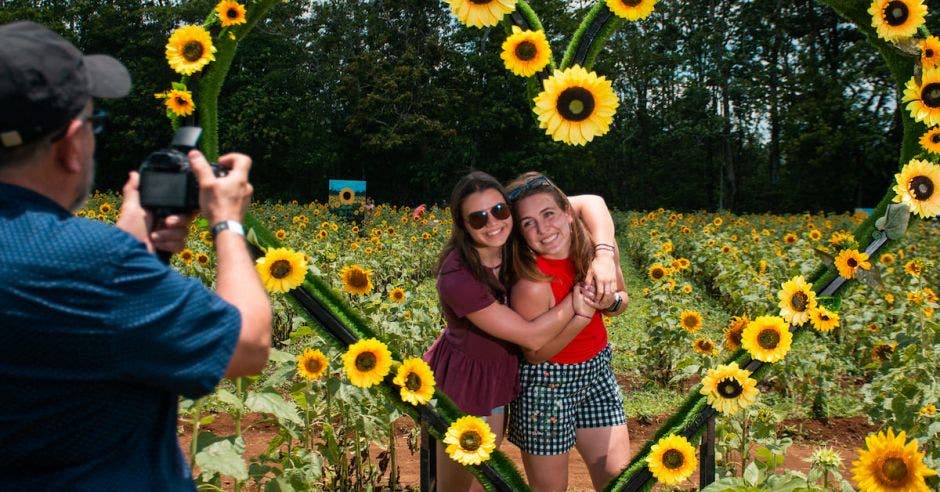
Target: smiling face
{"type": "Point", "coordinates": [495, 232]}
{"type": "Point", "coordinates": [545, 226]}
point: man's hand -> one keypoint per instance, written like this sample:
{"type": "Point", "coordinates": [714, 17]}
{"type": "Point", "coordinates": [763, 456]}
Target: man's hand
{"type": "Point", "coordinates": [136, 221]}
{"type": "Point", "coordinates": [226, 197]}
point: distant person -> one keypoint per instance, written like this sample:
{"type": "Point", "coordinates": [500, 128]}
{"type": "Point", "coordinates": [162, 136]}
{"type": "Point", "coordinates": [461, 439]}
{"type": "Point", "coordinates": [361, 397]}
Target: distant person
{"type": "Point", "coordinates": [476, 358]}
{"type": "Point", "coordinates": [99, 337]}
{"type": "Point", "coordinates": [569, 396]}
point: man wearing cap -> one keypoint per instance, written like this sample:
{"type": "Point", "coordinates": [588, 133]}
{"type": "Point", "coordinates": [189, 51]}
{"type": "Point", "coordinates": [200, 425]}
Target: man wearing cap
{"type": "Point", "coordinates": [98, 338]}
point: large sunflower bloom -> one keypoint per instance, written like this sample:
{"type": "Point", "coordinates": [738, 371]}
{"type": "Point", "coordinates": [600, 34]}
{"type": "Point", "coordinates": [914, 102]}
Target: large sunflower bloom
{"type": "Point", "coordinates": [690, 321]}
{"type": "Point", "coordinates": [230, 13]}
{"type": "Point", "coordinates": [918, 186]}
{"type": "Point", "coordinates": [657, 271]}
{"type": "Point", "coordinates": [416, 380]}
{"type": "Point", "coordinates": [923, 99]}
{"type": "Point", "coordinates": [930, 140]}
{"type": "Point", "coordinates": [734, 331]}
{"type": "Point", "coordinates": [367, 362]}
{"type": "Point", "coordinates": [576, 105]}
{"type": "Point", "coordinates": [848, 260]}
{"type": "Point", "coordinates": [729, 388]}
{"type": "Point", "coordinates": [672, 460]}
{"type": "Point", "coordinates": [481, 13]}
{"type": "Point", "coordinates": [281, 269]}
{"type": "Point", "coordinates": [895, 20]}
{"type": "Point", "coordinates": [525, 53]}
{"type": "Point", "coordinates": [177, 101]}
{"type": "Point", "coordinates": [312, 364]}
{"type": "Point", "coordinates": [631, 10]}
{"type": "Point", "coordinates": [767, 338]}
{"type": "Point", "coordinates": [890, 464]}
{"type": "Point", "coordinates": [930, 52]}
{"type": "Point", "coordinates": [824, 319]}
{"type": "Point", "coordinates": [189, 49]}
{"type": "Point", "coordinates": [356, 280]}
{"type": "Point", "coordinates": [797, 299]}
{"type": "Point", "coordinates": [469, 440]}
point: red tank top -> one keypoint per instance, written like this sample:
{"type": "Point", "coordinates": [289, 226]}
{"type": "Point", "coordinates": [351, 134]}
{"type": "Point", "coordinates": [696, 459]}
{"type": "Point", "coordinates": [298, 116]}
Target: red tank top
{"type": "Point", "coordinates": [593, 338]}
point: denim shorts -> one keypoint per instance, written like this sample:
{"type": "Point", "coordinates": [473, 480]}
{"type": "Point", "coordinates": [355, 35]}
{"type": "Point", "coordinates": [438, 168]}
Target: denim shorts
{"type": "Point", "coordinates": [557, 399]}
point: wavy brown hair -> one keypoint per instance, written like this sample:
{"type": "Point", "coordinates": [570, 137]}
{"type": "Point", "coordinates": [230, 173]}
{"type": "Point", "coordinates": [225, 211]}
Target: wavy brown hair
{"type": "Point", "coordinates": [523, 258]}
{"type": "Point", "coordinates": [460, 239]}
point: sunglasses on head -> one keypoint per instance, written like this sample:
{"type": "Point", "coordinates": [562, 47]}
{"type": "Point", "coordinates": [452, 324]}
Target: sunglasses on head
{"type": "Point", "coordinates": [529, 185]}
{"type": "Point", "coordinates": [478, 219]}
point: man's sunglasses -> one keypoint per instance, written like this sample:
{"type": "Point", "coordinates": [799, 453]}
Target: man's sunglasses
{"type": "Point", "coordinates": [531, 184]}
{"type": "Point", "coordinates": [478, 219]}
{"type": "Point", "coordinates": [98, 119]}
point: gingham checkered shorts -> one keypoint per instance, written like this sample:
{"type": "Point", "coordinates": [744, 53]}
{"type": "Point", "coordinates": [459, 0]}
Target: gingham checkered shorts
{"type": "Point", "coordinates": [557, 399]}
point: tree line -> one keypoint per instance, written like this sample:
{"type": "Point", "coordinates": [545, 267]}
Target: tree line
{"type": "Point", "coordinates": [749, 106]}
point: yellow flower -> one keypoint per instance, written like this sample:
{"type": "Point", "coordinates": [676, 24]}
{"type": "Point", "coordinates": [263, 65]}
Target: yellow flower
{"type": "Point", "coordinates": [886, 259]}
{"type": "Point", "coordinates": [367, 362]}
{"type": "Point", "coordinates": [526, 53]}
{"type": "Point", "coordinates": [930, 54]}
{"type": "Point", "coordinates": [672, 460]}
{"type": "Point", "coordinates": [397, 295]}
{"type": "Point", "coordinates": [356, 280]}
{"type": "Point", "coordinates": [705, 346]}
{"type": "Point", "coordinates": [631, 10]}
{"type": "Point", "coordinates": [312, 364]}
{"type": "Point", "coordinates": [686, 289]}
{"type": "Point", "coordinates": [575, 105]}
{"type": "Point", "coordinates": [481, 13]}
{"type": "Point", "coordinates": [202, 259]}
{"type": "Point", "coordinates": [231, 13]}
{"type": "Point", "coordinates": [690, 321]}
{"type": "Point", "coordinates": [815, 235]}
{"type": "Point", "coordinates": [923, 98]}
{"type": "Point", "coordinates": [895, 20]}
{"type": "Point", "coordinates": [178, 102]}
{"type": "Point", "coordinates": [187, 256]}
{"type": "Point", "coordinates": [824, 319]}
{"type": "Point", "coordinates": [729, 388]}
{"type": "Point", "coordinates": [930, 140]}
{"type": "Point", "coordinates": [767, 338]}
{"type": "Point", "coordinates": [918, 184]}
{"type": "Point", "coordinates": [281, 269]}
{"type": "Point", "coordinates": [657, 271]}
{"type": "Point", "coordinates": [914, 267]}
{"type": "Point", "coordinates": [189, 49]}
{"type": "Point", "coordinates": [280, 234]}
{"type": "Point", "coordinates": [734, 331]}
{"type": "Point", "coordinates": [929, 410]}
{"type": "Point", "coordinates": [890, 464]}
{"type": "Point", "coordinates": [797, 299]}
{"type": "Point", "coordinates": [105, 208]}
{"type": "Point", "coordinates": [848, 260]}
{"type": "Point", "coordinates": [416, 380]}
{"type": "Point", "coordinates": [347, 196]}
{"type": "Point", "coordinates": [789, 238]}
{"type": "Point", "coordinates": [469, 440]}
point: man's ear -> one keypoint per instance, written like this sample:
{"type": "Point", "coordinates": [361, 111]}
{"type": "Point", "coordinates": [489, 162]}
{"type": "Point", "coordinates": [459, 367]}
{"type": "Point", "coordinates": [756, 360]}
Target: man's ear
{"type": "Point", "coordinates": [67, 149]}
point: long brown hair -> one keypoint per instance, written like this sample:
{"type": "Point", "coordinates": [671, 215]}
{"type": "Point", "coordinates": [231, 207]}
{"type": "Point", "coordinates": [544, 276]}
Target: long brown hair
{"type": "Point", "coordinates": [460, 239]}
{"type": "Point", "coordinates": [523, 258]}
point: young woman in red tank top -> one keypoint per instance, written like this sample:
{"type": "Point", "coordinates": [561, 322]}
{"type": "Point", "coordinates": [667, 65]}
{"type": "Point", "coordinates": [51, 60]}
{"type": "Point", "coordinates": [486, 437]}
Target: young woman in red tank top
{"type": "Point", "coordinates": [569, 395]}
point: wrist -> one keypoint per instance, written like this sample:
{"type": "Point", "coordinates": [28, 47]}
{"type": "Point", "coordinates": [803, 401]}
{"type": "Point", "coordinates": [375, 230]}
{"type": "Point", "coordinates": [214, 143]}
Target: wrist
{"type": "Point", "coordinates": [582, 315]}
{"type": "Point", "coordinates": [227, 225]}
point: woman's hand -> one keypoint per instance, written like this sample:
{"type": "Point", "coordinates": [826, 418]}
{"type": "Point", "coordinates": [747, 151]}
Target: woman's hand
{"type": "Point", "coordinates": [582, 300]}
{"type": "Point", "coordinates": [603, 275]}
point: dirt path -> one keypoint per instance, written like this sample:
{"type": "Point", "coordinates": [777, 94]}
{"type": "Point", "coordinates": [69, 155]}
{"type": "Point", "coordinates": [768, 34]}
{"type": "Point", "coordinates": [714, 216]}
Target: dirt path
{"type": "Point", "coordinates": [844, 435]}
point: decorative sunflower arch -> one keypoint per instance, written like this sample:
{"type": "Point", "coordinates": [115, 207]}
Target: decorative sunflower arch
{"type": "Point", "coordinates": [574, 106]}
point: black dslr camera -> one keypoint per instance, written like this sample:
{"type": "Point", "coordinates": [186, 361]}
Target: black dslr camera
{"type": "Point", "coordinates": [167, 183]}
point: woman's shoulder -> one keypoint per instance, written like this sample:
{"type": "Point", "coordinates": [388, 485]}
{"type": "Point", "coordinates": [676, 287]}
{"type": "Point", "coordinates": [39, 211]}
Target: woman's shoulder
{"type": "Point", "coordinates": [453, 262]}
{"type": "Point", "coordinates": [527, 289]}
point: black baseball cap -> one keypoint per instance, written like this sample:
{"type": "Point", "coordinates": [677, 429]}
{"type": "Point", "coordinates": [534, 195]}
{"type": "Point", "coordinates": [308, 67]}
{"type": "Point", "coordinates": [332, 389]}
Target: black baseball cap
{"type": "Point", "coordinates": [45, 81]}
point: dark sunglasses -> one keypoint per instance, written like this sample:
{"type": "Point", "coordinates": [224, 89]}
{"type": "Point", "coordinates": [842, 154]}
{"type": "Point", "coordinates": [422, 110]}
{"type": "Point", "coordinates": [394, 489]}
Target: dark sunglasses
{"type": "Point", "coordinates": [478, 219]}
{"type": "Point", "coordinates": [531, 184]}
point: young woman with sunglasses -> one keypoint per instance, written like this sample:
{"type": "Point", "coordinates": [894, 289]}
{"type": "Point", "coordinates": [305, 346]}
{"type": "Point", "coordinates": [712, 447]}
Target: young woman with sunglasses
{"type": "Point", "coordinates": [476, 358]}
{"type": "Point", "coordinates": [569, 396]}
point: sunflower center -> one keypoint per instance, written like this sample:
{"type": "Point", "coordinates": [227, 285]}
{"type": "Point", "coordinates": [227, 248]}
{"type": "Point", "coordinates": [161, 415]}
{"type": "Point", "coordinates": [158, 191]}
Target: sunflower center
{"type": "Point", "coordinates": [358, 279]}
{"type": "Point", "coordinates": [658, 273]}
{"type": "Point", "coordinates": [935, 138]}
{"type": "Point", "coordinates": [365, 361]}
{"type": "Point", "coordinates": [673, 459]}
{"type": "Point", "coordinates": [896, 13]}
{"type": "Point", "coordinates": [470, 440]}
{"type": "Point", "coordinates": [413, 382]}
{"type": "Point", "coordinates": [631, 3]}
{"type": "Point", "coordinates": [705, 346]}
{"type": "Point", "coordinates": [930, 95]}
{"type": "Point", "coordinates": [729, 388]}
{"type": "Point", "coordinates": [852, 262]}
{"type": "Point", "coordinates": [921, 187]}
{"type": "Point", "coordinates": [280, 269]}
{"type": "Point", "coordinates": [526, 50]}
{"type": "Point", "coordinates": [481, 2]}
{"type": "Point", "coordinates": [799, 301]}
{"type": "Point", "coordinates": [894, 471]}
{"type": "Point", "coordinates": [575, 104]}
{"type": "Point", "coordinates": [768, 339]}
{"type": "Point", "coordinates": [231, 13]}
{"type": "Point", "coordinates": [347, 195]}
{"type": "Point", "coordinates": [192, 51]}
{"type": "Point", "coordinates": [313, 365]}
{"type": "Point", "coordinates": [181, 101]}
{"type": "Point", "coordinates": [688, 322]}
{"type": "Point", "coordinates": [928, 53]}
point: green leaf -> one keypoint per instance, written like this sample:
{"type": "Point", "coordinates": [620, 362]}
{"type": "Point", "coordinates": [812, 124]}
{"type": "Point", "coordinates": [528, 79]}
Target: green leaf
{"type": "Point", "coordinates": [281, 356]}
{"type": "Point", "coordinates": [180, 86]}
{"type": "Point", "coordinates": [275, 404]}
{"type": "Point", "coordinates": [895, 220]}
{"type": "Point", "coordinates": [229, 398]}
{"type": "Point", "coordinates": [223, 458]}
{"type": "Point", "coordinates": [752, 474]}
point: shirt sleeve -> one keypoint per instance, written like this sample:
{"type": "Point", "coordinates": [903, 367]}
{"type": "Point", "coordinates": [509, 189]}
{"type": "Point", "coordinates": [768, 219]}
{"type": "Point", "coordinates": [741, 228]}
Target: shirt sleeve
{"type": "Point", "coordinates": [172, 332]}
{"type": "Point", "coordinates": [462, 292]}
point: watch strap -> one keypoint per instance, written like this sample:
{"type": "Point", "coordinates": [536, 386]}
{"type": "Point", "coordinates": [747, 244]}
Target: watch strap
{"type": "Point", "coordinates": [228, 225]}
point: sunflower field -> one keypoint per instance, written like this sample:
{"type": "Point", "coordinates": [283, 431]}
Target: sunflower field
{"type": "Point", "coordinates": [701, 286]}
